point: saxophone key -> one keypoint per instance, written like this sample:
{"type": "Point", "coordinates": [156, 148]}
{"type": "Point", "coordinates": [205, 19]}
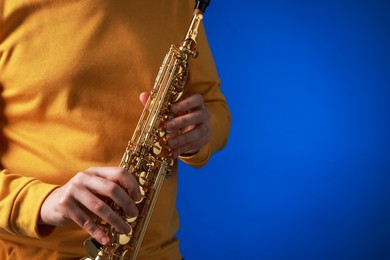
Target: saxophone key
{"type": "Point", "coordinates": [177, 96]}
{"type": "Point", "coordinates": [157, 148]}
{"type": "Point", "coordinates": [142, 178]}
{"type": "Point", "coordinates": [124, 239]}
{"type": "Point", "coordinates": [131, 219]}
{"type": "Point", "coordinates": [161, 133]}
{"type": "Point", "coordinates": [142, 191]}
{"type": "Point", "coordinates": [125, 255]}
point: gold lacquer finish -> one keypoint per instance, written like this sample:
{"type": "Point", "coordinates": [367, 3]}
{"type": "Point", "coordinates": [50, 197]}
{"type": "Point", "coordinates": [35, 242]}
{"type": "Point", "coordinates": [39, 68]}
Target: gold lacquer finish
{"type": "Point", "coordinates": [147, 156]}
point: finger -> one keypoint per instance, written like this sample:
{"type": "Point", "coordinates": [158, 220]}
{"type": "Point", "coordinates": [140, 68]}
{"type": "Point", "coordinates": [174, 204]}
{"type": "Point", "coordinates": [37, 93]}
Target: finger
{"type": "Point", "coordinates": [190, 141]}
{"type": "Point", "coordinates": [188, 148]}
{"type": "Point", "coordinates": [121, 176]}
{"type": "Point", "coordinates": [194, 118]}
{"type": "Point", "coordinates": [85, 222]}
{"type": "Point", "coordinates": [115, 192]}
{"type": "Point", "coordinates": [143, 97]}
{"type": "Point", "coordinates": [102, 210]}
{"type": "Point", "coordinates": [187, 104]}
{"type": "Point", "coordinates": [171, 134]}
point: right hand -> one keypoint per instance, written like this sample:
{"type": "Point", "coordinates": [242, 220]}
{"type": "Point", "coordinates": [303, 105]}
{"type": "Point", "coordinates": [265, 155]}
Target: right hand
{"type": "Point", "coordinates": [81, 200]}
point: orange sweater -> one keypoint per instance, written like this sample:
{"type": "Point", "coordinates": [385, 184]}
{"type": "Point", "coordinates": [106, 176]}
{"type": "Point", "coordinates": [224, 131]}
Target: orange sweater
{"type": "Point", "coordinates": [71, 72]}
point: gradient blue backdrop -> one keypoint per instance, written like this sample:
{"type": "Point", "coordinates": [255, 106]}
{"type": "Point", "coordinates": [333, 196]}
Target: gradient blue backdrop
{"type": "Point", "coordinates": [306, 172]}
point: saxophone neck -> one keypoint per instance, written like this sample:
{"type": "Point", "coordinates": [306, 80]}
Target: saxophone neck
{"type": "Point", "coordinates": [192, 33]}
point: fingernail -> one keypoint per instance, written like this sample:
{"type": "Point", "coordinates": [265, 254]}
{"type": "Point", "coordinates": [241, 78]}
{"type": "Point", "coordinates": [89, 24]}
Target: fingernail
{"type": "Point", "coordinates": [132, 212]}
{"type": "Point", "coordinates": [127, 230]}
{"type": "Point", "coordinates": [168, 126]}
{"type": "Point", "coordinates": [124, 229]}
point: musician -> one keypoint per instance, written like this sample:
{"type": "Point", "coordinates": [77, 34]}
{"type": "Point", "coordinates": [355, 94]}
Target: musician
{"type": "Point", "coordinates": [73, 77]}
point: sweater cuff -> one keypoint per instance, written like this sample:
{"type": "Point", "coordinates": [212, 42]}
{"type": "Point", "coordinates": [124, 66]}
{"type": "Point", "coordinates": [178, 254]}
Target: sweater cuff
{"type": "Point", "coordinates": [27, 207]}
{"type": "Point", "coordinates": [198, 159]}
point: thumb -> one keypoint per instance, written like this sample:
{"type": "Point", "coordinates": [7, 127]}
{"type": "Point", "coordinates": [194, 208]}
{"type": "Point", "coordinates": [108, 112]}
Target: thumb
{"type": "Point", "coordinates": [143, 97]}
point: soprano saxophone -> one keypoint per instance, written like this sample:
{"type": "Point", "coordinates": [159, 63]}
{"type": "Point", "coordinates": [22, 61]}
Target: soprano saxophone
{"type": "Point", "coordinates": [147, 156]}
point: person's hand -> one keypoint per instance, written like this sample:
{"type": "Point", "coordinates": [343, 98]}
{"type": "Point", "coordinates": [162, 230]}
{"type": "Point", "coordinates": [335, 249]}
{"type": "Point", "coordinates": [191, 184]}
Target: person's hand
{"type": "Point", "coordinates": [81, 200]}
{"type": "Point", "coordinates": [190, 130]}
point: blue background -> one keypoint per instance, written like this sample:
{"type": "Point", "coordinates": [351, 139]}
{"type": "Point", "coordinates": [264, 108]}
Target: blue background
{"type": "Point", "coordinates": [306, 172]}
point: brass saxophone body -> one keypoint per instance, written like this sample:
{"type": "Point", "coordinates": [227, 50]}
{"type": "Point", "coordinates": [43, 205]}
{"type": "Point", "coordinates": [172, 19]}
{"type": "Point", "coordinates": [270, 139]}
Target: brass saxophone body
{"type": "Point", "coordinates": [147, 156]}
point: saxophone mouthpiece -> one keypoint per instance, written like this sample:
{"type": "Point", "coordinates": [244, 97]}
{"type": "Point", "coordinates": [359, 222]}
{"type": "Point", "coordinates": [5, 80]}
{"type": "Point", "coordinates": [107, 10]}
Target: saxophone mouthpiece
{"type": "Point", "coordinates": [201, 5]}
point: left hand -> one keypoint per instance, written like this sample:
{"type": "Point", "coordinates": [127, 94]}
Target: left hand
{"type": "Point", "coordinates": [190, 130]}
